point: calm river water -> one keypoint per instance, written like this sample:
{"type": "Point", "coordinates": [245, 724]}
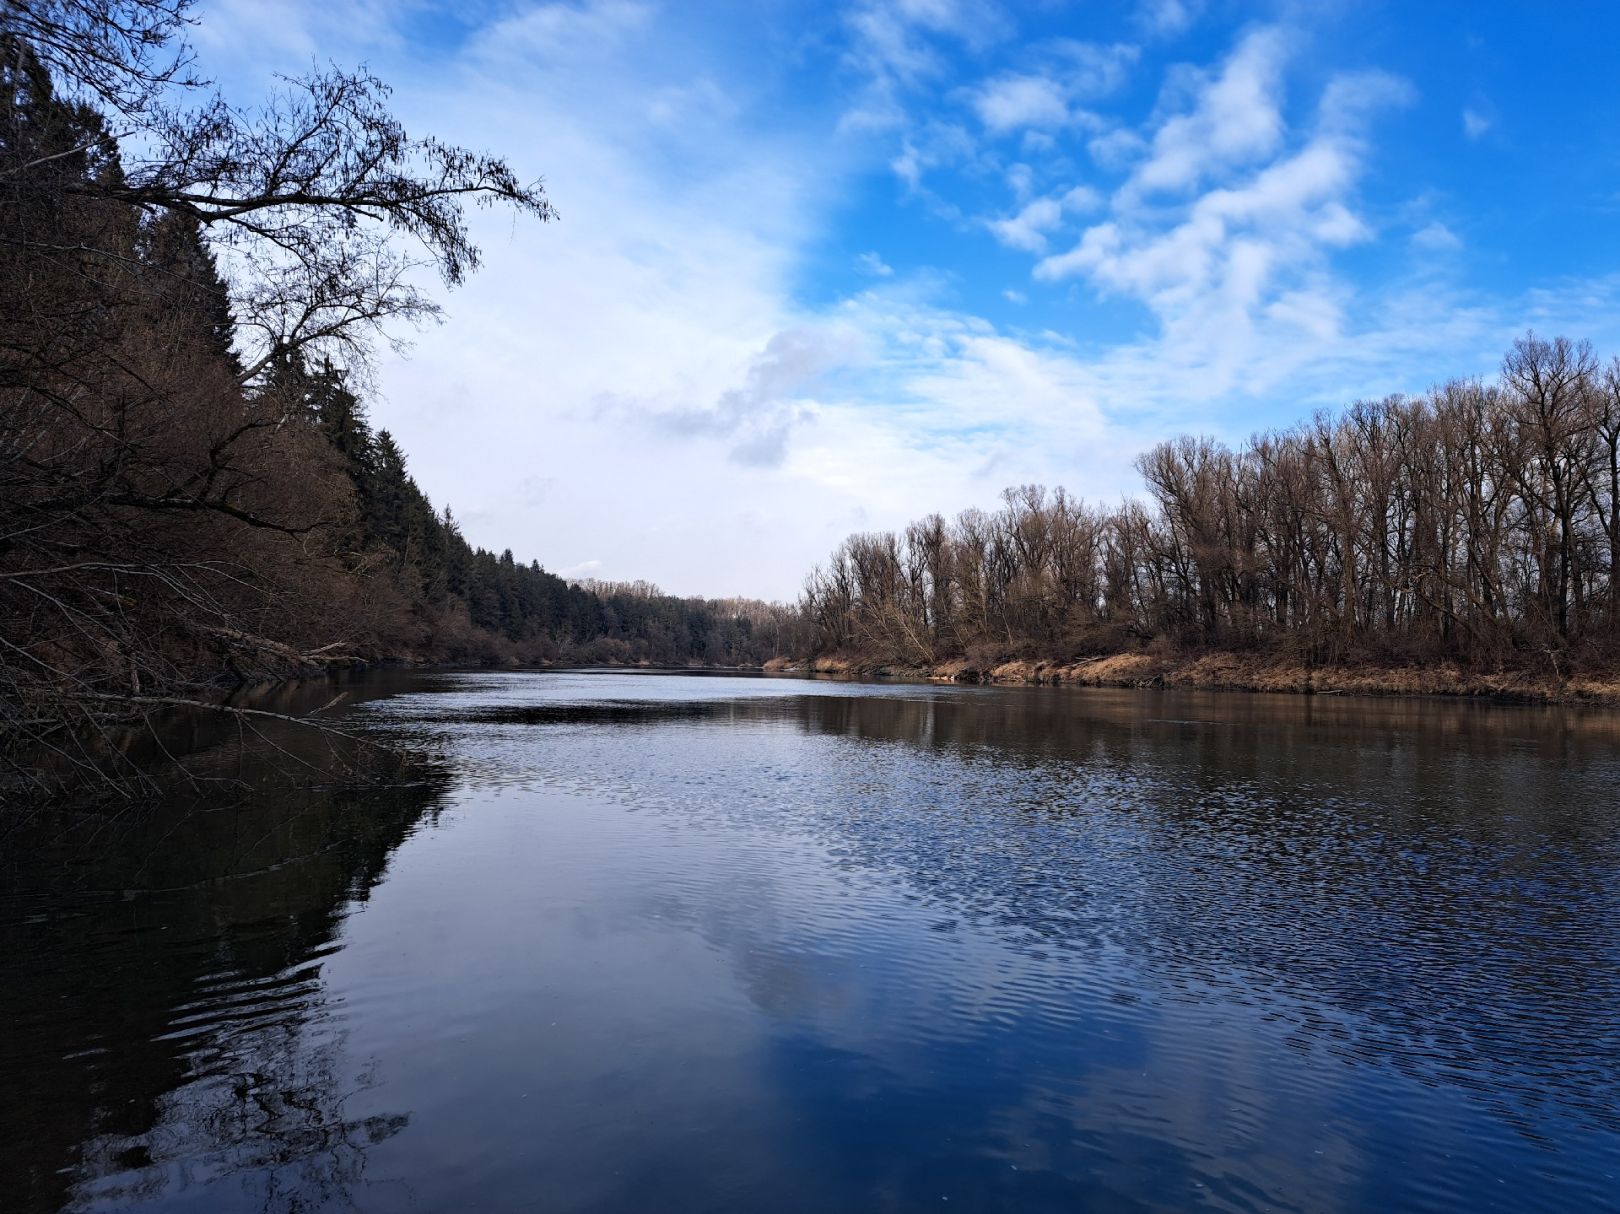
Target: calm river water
{"type": "Point", "coordinates": [670, 944]}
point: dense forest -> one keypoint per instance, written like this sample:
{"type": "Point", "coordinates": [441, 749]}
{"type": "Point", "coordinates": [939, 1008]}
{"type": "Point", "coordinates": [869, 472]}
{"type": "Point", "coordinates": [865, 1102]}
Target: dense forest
{"type": "Point", "coordinates": [1477, 524]}
{"type": "Point", "coordinates": [191, 494]}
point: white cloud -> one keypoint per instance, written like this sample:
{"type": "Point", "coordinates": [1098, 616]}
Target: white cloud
{"type": "Point", "coordinates": [1082, 198]}
{"type": "Point", "coordinates": [651, 362]}
{"type": "Point", "coordinates": [567, 33]}
{"type": "Point", "coordinates": [871, 263]}
{"type": "Point", "coordinates": [231, 32]}
{"type": "Point", "coordinates": [1236, 120]}
{"type": "Point", "coordinates": [1167, 18]}
{"type": "Point", "coordinates": [1289, 207]}
{"type": "Point", "coordinates": [1027, 230]}
{"type": "Point", "coordinates": [1352, 98]}
{"type": "Point", "coordinates": [892, 49]}
{"type": "Point", "coordinates": [580, 570]}
{"type": "Point", "coordinates": [1115, 149]}
{"type": "Point", "coordinates": [930, 146]}
{"type": "Point", "coordinates": [699, 101]}
{"type": "Point", "coordinates": [756, 420]}
{"type": "Point", "coordinates": [1436, 238]}
{"type": "Point", "coordinates": [700, 430]}
{"type": "Point", "coordinates": [1315, 314]}
{"type": "Point", "coordinates": [1475, 123]}
{"type": "Point", "coordinates": [660, 298]}
{"type": "Point", "coordinates": [1048, 98]}
{"type": "Point", "coordinates": [1091, 69]}
{"type": "Point", "coordinates": [1013, 102]}
{"type": "Point", "coordinates": [1247, 260]}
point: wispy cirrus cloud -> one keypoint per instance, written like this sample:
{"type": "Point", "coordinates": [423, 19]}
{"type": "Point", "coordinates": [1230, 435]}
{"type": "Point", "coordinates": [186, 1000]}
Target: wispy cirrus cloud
{"type": "Point", "coordinates": [870, 263]}
{"type": "Point", "coordinates": [779, 305]}
{"type": "Point", "coordinates": [1227, 225]}
{"type": "Point", "coordinates": [893, 49]}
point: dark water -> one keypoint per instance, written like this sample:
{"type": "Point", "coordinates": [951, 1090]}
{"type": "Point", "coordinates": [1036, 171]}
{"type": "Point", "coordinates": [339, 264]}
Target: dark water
{"type": "Point", "coordinates": [653, 943]}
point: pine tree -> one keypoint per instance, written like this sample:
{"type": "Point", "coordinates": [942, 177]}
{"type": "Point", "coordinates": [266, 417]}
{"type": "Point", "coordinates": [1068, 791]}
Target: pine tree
{"type": "Point", "coordinates": [342, 418]}
{"type": "Point", "coordinates": [186, 283]}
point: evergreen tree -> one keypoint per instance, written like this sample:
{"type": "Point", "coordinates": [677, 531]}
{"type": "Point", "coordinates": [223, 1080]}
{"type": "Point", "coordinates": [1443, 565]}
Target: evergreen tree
{"type": "Point", "coordinates": [341, 417]}
{"type": "Point", "coordinates": [186, 283]}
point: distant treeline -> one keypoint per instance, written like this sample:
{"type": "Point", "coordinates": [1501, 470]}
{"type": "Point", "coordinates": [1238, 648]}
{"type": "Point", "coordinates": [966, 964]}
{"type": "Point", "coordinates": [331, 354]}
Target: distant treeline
{"type": "Point", "coordinates": [190, 492]}
{"type": "Point", "coordinates": [1479, 523]}
{"type": "Point", "coordinates": [454, 602]}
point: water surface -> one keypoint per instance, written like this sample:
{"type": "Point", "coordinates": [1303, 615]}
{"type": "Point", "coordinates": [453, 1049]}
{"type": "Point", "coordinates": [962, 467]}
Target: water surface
{"type": "Point", "coordinates": [636, 942]}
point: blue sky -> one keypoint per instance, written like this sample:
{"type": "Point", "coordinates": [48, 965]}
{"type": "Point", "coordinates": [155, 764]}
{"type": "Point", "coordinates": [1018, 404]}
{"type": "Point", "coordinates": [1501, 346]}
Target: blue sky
{"type": "Point", "coordinates": [827, 267]}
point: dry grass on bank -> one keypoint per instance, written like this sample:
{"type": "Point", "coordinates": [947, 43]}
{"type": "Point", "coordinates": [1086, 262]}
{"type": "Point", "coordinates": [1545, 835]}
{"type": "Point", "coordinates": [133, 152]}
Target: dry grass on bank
{"type": "Point", "coordinates": [1224, 671]}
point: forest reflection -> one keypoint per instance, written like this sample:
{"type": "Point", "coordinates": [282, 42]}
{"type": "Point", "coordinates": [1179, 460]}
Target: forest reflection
{"type": "Point", "coordinates": [163, 996]}
{"type": "Point", "coordinates": [1065, 722]}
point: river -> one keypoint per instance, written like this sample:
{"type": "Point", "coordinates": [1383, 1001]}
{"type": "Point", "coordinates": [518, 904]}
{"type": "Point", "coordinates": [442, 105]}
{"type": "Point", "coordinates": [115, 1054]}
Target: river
{"type": "Point", "coordinates": [637, 942]}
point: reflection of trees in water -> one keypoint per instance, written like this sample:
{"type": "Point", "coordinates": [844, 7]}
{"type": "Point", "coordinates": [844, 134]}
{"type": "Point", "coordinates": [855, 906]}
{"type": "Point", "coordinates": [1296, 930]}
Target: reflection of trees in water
{"type": "Point", "coordinates": [163, 979]}
{"type": "Point", "coordinates": [271, 1129]}
{"type": "Point", "coordinates": [171, 751]}
{"type": "Point", "coordinates": [1258, 729]}
{"type": "Point", "coordinates": [1235, 733]}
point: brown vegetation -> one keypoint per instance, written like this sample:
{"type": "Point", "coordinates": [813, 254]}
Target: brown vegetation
{"type": "Point", "coordinates": [191, 496]}
{"type": "Point", "coordinates": [1228, 671]}
{"type": "Point", "coordinates": [174, 510]}
{"type": "Point", "coordinates": [1465, 541]}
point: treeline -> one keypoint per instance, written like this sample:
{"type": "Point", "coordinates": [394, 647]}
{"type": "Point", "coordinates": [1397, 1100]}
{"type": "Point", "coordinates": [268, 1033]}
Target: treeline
{"type": "Point", "coordinates": [456, 602]}
{"type": "Point", "coordinates": [1479, 523]}
{"type": "Point", "coordinates": [190, 492]}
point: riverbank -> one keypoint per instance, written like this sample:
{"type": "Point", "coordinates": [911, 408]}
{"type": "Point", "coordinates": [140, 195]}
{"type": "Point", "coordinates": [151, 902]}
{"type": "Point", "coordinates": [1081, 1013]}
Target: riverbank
{"type": "Point", "coordinates": [1224, 671]}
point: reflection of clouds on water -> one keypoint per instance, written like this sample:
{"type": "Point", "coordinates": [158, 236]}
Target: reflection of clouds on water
{"type": "Point", "coordinates": [1359, 869]}
{"type": "Point", "coordinates": [750, 943]}
{"type": "Point", "coordinates": [960, 1062]}
{"type": "Point", "coordinates": [952, 1061]}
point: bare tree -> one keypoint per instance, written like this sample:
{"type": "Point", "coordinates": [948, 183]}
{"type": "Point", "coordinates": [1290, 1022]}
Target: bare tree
{"type": "Point", "coordinates": [1479, 523]}
{"type": "Point", "coordinates": [168, 516]}
{"type": "Point", "coordinates": [122, 54]}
